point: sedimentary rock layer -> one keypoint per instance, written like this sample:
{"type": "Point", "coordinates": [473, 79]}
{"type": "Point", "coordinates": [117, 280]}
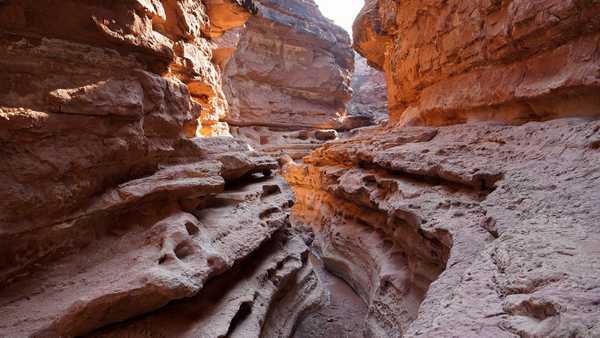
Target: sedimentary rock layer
{"type": "Point", "coordinates": [291, 72]}
{"type": "Point", "coordinates": [455, 61]}
{"type": "Point", "coordinates": [261, 296]}
{"type": "Point", "coordinates": [108, 209]}
{"type": "Point", "coordinates": [369, 98]}
{"type": "Point", "coordinates": [292, 69]}
{"type": "Point", "coordinates": [476, 230]}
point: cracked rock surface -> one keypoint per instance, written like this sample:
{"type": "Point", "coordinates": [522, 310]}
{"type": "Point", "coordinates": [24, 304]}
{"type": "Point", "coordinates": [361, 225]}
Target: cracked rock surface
{"type": "Point", "coordinates": [289, 79]}
{"type": "Point", "coordinates": [469, 230]}
{"type": "Point", "coordinates": [449, 62]}
{"type": "Point", "coordinates": [110, 208]}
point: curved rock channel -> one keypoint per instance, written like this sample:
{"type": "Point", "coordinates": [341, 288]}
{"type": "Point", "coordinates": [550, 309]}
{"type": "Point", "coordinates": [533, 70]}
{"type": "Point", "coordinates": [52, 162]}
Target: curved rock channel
{"type": "Point", "coordinates": [343, 314]}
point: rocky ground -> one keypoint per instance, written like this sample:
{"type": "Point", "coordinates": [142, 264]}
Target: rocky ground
{"type": "Point", "coordinates": [341, 316]}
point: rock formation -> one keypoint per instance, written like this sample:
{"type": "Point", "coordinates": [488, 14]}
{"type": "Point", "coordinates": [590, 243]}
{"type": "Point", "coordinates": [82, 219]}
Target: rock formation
{"type": "Point", "coordinates": [291, 75]}
{"type": "Point", "coordinates": [458, 61]}
{"type": "Point", "coordinates": [476, 230]}
{"type": "Point", "coordinates": [480, 229]}
{"type": "Point", "coordinates": [369, 99]}
{"type": "Point", "coordinates": [116, 220]}
{"type": "Point", "coordinates": [108, 210]}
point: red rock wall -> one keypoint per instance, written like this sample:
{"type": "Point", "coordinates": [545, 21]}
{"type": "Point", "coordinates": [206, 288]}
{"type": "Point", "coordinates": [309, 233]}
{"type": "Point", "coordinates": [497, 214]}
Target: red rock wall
{"type": "Point", "coordinates": [109, 209]}
{"type": "Point", "coordinates": [292, 69]}
{"type": "Point", "coordinates": [479, 229]}
{"type": "Point", "coordinates": [470, 230]}
{"type": "Point", "coordinates": [456, 61]}
{"type": "Point", "coordinates": [84, 105]}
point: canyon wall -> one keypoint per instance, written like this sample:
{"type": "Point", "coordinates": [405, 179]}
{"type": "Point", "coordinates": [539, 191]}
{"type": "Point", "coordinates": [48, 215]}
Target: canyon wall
{"type": "Point", "coordinates": [472, 214]}
{"type": "Point", "coordinates": [290, 76]}
{"type": "Point", "coordinates": [369, 96]}
{"type": "Point", "coordinates": [292, 69]}
{"type": "Point", "coordinates": [473, 230]}
{"type": "Point", "coordinates": [456, 61]}
{"type": "Point", "coordinates": [110, 209]}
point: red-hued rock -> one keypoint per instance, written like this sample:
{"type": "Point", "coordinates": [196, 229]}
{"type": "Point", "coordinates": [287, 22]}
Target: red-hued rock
{"type": "Point", "coordinates": [109, 208]}
{"type": "Point", "coordinates": [292, 69]}
{"type": "Point", "coordinates": [479, 230]}
{"type": "Point", "coordinates": [290, 76]}
{"type": "Point", "coordinates": [454, 61]}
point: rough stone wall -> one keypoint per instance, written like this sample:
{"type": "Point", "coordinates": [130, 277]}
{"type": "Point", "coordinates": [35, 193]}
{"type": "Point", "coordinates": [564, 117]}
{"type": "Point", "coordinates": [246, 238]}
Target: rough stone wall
{"type": "Point", "coordinates": [291, 72]}
{"type": "Point", "coordinates": [292, 69]}
{"type": "Point", "coordinates": [473, 230]}
{"type": "Point", "coordinates": [369, 99]}
{"type": "Point", "coordinates": [478, 229]}
{"type": "Point", "coordinates": [457, 61]}
{"type": "Point", "coordinates": [108, 209]}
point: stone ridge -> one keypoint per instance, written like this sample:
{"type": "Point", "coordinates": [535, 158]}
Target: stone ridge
{"type": "Point", "coordinates": [454, 61]}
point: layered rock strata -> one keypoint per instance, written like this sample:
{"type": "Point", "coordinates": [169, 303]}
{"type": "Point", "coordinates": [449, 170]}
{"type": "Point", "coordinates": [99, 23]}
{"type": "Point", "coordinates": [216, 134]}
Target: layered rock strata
{"type": "Point", "coordinates": [292, 71]}
{"type": "Point", "coordinates": [477, 230]}
{"type": "Point", "coordinates": [261, 296]}
{"type": "Point", "coordinates": [108, 209]}
{"type": "Point", "coordinates": [454, 61]}
{"type": "Point", "coordinates": [369, 99]}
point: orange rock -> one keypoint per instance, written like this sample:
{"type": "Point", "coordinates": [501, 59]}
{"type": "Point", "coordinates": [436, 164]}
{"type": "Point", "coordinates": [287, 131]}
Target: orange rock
{"type": "Point", "coordinates": [457, 61]}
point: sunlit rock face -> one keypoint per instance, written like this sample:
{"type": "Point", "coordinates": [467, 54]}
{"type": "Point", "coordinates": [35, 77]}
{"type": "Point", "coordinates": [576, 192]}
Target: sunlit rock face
{"type": "Point", "coordinates": [292, 71]}
{"type": "Point", "coordinates": [108, 209]}
{"type": "Point", "coordinates": [456, 61]}
{"type": "Point", "coordinates": [369, 99]}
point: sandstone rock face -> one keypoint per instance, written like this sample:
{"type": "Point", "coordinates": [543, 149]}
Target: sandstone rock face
{"type": "Point", "coordinates": [455, 61]}
{"type": "Point", "coordinates": [292, 71]}
{"type": "Point", "coordinates": [470, 230]}
{"type": "Point", "coordinates": [369, 100]}
{"type": "Point", "coordinates": [476, 230]}
{"type": "Point", "coordinates": [108, 209]}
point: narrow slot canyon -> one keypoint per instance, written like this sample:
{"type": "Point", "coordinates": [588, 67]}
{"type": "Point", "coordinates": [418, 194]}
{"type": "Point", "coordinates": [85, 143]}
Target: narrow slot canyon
{"type": "Point", "coordinates": [266, 168]}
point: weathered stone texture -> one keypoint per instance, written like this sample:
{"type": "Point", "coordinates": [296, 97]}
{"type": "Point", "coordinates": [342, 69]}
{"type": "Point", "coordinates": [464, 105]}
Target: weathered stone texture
{"type": "Point", "coordinates": [290, 76]}
{"type": "Point", "coordinates": [292, 69]}
{"type": "Point", "coordinates": [369, 99]}
{"type": "Point", "coordinates": [109, 207]}
{"type": "Point", "coordinates": [476, 230]}
{"type": "Point", "coordinates": [458, 61]}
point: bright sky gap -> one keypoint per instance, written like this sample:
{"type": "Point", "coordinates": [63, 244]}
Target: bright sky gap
{"type": "Point", "coordinates": [342, 12]}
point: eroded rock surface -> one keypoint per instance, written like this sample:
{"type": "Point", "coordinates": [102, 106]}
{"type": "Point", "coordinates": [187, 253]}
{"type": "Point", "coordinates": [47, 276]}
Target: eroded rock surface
{"type": "Point", "coordinates": [476, 230]}
{"type": "Point", "coordinates": [457, 61]}
{"type": "Point", "coordinates": [292, 72]}
{"type": "Point", "coordinates": [109, 208]}
{"type": "Point", "coordinates": [292, 69]}
{"type": "Point", "coordinates": [369, 99]}
{"type": "Point", "coordinates": [479, 229]}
